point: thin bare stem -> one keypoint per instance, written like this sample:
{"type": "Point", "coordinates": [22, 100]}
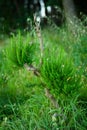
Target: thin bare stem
{"type": "Point", "coordinates": [38, 31]}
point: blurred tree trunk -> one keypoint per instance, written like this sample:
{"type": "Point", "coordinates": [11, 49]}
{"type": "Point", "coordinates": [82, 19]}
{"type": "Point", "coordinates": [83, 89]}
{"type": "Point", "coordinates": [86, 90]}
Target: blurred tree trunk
{"type": "Point", "coordinates": [17, 7]}
{"type": "Point", "coordinates": [69, 10]}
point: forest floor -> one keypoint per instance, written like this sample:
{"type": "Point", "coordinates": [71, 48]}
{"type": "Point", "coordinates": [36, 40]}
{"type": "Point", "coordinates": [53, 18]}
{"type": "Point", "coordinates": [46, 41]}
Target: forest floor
{"type": "Point", "coordinates": [29, 89]}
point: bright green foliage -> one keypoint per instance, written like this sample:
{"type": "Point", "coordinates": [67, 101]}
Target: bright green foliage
{"type": "Point", "coordinates": [23, 102]}
{"type": "Point", "coordinates": [20, 51]}
{"type": "Point", "coordinates": [36, 113]}
{"type": "Point", "coordinates": [59, 73]}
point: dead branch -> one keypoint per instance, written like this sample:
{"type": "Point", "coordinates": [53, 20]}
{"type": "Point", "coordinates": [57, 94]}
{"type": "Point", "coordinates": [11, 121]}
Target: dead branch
{"type": "Point", "coordinates": [32, 68]}
{"type": "Point", "coordinates": [47, 92]}
{"type": "Point", "coordinates": [51, 98]}
{"type": "Point", "coordinates": [38, 31]}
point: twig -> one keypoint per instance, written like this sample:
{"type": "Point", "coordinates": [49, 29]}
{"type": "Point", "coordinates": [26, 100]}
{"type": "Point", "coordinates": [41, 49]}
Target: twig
{"type": "Point", "coordinates": [32, 68]}
{"type": "Point", "coordinates": [51, 98]}
{"type": "Point", "coordinates": [38, 31]}
{"type": "Point", "coordinates": [47, 92]}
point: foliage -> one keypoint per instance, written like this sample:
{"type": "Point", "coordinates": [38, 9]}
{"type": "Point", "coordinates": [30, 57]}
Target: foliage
{"type": "Point", "coordinates": [21, 51]}
{"type": "Point", "coordinates": [18, 18]}
{"type": "Point", "coordinates": [23, 103]}
{"type": "Point", "coordinates": [35, 113]}
{"type": "Point", "coordinates": [59, 74]}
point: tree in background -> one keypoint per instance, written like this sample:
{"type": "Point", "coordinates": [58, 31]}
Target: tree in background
{"type": "Point", "coordinates": [13, 14]}
{"type": "Point", "coordinates": [69, 10]}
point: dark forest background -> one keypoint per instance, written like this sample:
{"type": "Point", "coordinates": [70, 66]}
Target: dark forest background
{"type": "Point", "coordinates": [13, 14]}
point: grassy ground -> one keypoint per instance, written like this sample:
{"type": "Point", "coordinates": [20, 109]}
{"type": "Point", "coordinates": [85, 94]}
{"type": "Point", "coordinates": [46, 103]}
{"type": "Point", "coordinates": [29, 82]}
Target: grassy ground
{"type": "Point", "coordinates": [24, 104]}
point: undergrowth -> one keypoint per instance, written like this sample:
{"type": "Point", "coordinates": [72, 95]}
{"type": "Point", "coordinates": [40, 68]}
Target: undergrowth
{"type": "Point", "coordinates": [20, 51]}
{"type": "Point", "coordinates": [23, 102]}
{"type": "Point", "coordinates": [60, 75]}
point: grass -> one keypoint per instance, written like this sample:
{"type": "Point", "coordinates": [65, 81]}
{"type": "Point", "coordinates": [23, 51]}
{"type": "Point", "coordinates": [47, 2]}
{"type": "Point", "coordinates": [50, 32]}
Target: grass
{"type": "Point", "coordinates": [20, 51]}
{"type": "Point", "coordinates": [60, 76]}
{"type": "Point", "coordinates": [23, 102]}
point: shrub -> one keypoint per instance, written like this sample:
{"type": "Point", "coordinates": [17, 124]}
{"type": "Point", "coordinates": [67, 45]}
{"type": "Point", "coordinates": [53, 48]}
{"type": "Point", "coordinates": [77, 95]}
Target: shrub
{"type": "Point", "coordinates": [20, 51]}
{"type": "Point", "coordinates": [59, 73]}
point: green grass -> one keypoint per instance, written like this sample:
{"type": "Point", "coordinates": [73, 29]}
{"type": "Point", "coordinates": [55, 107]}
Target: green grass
{"type": "Point", "coordinates": [21, 50]}
{"type": "Point", "coordinates": [60, 75]}
{"type": "Point", "coordinates": [23, 103]}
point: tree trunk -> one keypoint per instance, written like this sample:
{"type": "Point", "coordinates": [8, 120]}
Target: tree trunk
{"type": "Point", "coordinates": [69, 10]}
